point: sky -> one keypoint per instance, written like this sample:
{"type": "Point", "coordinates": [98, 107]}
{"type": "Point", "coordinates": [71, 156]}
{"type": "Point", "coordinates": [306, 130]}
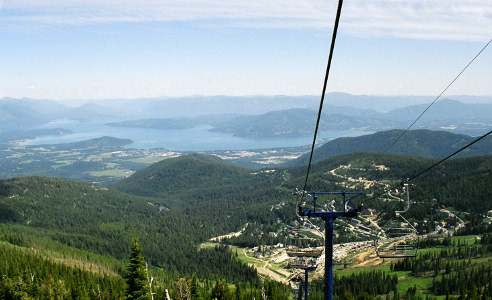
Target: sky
{"type": "Point", "coordinates": [93, 49]}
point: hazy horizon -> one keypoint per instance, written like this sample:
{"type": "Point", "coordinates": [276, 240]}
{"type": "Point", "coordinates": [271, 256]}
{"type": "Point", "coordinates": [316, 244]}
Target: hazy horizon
{"type": "Point", "coordinates": [125, 49]}
{"type": "Point", "coordinates": [408, 100]}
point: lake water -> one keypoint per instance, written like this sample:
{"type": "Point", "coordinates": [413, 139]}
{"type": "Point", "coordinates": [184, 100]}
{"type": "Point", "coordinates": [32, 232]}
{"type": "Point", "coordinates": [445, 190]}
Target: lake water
{"type": "Point", "coordinates": [195, 139]}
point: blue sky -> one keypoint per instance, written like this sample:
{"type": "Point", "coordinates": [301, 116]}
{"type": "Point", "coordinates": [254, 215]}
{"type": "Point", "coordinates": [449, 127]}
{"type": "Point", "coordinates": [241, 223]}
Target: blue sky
{"type": "Point", "coordinates": [90, 49]}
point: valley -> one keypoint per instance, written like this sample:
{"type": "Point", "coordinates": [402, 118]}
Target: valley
{"type": "Point", "coordinates": [111, 162]}
{"type": "Point", "coordinates": [106, 160]}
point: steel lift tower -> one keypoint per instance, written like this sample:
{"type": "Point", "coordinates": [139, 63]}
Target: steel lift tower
{"type": "Point", "coordinates": [329, 217]}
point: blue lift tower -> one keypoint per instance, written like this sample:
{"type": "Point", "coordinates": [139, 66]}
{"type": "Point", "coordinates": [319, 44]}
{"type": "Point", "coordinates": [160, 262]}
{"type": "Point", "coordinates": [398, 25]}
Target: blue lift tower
{"type": "Point", "coordinates": [329, 217]}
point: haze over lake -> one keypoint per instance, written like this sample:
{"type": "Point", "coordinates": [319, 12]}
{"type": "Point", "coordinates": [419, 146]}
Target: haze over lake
{"type": "Point", "coordinates": [199, 138]}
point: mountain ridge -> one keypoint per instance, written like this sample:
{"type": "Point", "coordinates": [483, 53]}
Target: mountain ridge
{"type": "Point", "coordinates": [446, 114]}
{"type": "Point", "coordinates": [422, 142]}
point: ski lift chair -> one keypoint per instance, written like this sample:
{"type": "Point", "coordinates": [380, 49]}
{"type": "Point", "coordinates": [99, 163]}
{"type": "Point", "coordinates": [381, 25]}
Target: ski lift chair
{"type": "Point", "coordinates": [398, 231]}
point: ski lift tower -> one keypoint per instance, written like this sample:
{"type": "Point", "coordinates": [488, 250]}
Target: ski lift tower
{"type": "Point", "coordinates": [329, 217]}
{"type": "Point", "coordinates": [306, 278]}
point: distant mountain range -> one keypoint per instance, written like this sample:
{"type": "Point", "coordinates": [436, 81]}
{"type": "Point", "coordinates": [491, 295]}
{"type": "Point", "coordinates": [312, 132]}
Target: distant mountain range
{"type": "Point", "coordinates": [193, 106]}
{"type": "Point", "coordinates": [451, 115]}
{"type": "Point", "coordinates": [22, 113]}
{"type": "Point", "coordinates": [258, 117]}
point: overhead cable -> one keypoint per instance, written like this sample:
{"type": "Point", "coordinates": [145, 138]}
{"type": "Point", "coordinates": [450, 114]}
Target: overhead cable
{"type": "Point", "coordinates": [431, 167]}
{"type": "Point", "coordinates": [437, 98]}
{"type": "Point", "coordinates": [332, 47]}
{"type": "Point", "coordinates": [449, 156]}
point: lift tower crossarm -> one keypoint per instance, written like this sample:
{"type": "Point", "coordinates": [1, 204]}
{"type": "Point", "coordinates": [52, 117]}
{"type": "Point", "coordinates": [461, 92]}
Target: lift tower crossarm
{"type": "Point", "coordinates": [322, 214]}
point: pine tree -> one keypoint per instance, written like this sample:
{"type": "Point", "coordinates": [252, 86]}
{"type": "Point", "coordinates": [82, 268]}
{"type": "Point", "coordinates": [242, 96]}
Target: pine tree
{"type": "Point", "coordinates": [136, 275]}
{"type": "Point", "coordinates": [238, 292]}
{"type": "Point", "coordinates": [195, 294]}
{"type": "Point", "coordinates": [221, 291]}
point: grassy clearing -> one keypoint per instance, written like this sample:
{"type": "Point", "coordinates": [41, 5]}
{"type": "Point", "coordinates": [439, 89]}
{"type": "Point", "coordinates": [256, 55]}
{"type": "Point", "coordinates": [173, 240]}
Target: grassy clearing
{"type": "Point", "coordinates": [118, 173]}
{"type": "Point", "coordinates": [111, 165]}
{"type": "Point", "coordinates": [241, 253]}
{"type": "Point", "coordinates": [61, 163]}
{"type": "Point", "coordinates": [423, 284]}
{"type": "Point", "coordinates": [149, 160]}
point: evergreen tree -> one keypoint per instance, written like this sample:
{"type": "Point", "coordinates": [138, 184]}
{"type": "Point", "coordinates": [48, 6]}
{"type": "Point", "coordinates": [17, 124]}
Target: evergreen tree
{"type": "Point", "coordinates": [238, 292]}
{"type": "Point", "coordinates": [221, 291]}
{"type": "Point", "coordinates": [136, 275]}
{"type": "Point", "coordinates": [194, 288]}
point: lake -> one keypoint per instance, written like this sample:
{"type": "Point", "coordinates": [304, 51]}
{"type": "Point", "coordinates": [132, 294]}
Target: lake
{"type": "Point", "coordinates": [199, 138]}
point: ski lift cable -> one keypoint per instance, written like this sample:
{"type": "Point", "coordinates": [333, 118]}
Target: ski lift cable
{"type": "Point", "coordinates": [438, 97]}
{"type": "Point", "coordinates": [448, 157]}
{"type": "Point", "coordinates": [315, 227]}
{"type": "Point", "coordinates": [429, 168]}
{"type": "Point", "coordinates": [435, 100]}
{"type": "Point", "coordinates": [408, 223]}
{"type": "Point", "coordinates": [328, 66]}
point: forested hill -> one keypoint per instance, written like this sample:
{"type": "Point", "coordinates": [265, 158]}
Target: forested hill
{"type": "Point", "coordinates": [423, 143]}
{"type": "Point", "coordinates": [45, 212]}
{"type": "Point", "coordinates": [193, 172]}
{"type": "Point", "coordinates": [460, 183]}
{"type": "Point", "coordinates": [196, 197]}
{"type": "Point", "coordinates": [104, 141]}
{"type": "Point", "coordinates": [225, 197]}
